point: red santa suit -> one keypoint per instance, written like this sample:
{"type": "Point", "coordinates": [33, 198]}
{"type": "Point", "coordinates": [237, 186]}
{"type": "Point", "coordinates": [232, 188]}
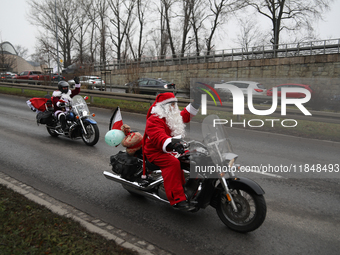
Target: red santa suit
{"type": "Point", "coordinates": [59, 97]}
{"type": "Point", "coordinates": [158, 134]}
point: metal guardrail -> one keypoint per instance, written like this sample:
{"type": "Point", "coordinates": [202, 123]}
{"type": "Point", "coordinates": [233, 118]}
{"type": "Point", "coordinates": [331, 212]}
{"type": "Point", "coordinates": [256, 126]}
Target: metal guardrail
{"type": "Point", "coordinates": [318, 116]}
{"type": "Point", "coordinates": [96, 87]}
{"type": "Point", "coordinates": [41, 82]}
{"type": "Point", "coordinates": [96, 93]}
{"type": "Point", "coordinates": [322, 47]}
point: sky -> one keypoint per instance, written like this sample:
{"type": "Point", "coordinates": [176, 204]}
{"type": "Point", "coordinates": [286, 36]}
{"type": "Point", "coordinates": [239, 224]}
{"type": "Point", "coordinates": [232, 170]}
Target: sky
{"type": "Point", "coordinates": [16, 29]}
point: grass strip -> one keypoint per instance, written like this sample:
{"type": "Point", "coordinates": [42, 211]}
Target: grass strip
{"type": "Point", "coordinates": [28, 228]}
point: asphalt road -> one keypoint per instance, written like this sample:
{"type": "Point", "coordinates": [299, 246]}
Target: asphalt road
{"type": "Point", "coordinates": [303, 206]}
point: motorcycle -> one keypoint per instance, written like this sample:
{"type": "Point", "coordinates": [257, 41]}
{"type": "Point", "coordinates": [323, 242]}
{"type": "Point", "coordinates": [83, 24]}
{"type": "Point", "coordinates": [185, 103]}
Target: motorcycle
{"type": "Point", "coordinates": [77, 119]}
{"type": "Point", "coordinates": [239, 202]}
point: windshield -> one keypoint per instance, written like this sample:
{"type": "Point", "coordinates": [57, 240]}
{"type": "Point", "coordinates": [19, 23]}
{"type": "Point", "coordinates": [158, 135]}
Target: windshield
{"type": "Point", "coordinates": [215, 137]}
{"type": "Point", "coordinates": [79, 106]}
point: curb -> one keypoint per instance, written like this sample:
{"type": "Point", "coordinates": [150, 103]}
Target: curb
{"type": "Point", "coordinates": [92, 224]}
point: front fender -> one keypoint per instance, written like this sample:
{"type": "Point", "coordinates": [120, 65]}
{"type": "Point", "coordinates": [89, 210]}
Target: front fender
{"type": "Point", "coordinates": [238, 182]}
{"type": "Point", "coordinates": [89, 120]}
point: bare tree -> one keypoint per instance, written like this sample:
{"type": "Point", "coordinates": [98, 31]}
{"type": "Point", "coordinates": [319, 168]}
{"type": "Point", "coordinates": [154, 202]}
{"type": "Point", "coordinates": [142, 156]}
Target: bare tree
{"type": "Point", "coordinates": [80, 36]}
{"type": "Point", "coordinates": [164, 36]}
{"type": "Point", "coordinates": [250, 35]}
{"type": "Point", "coordinates": [43, 15]}
{"type": "Point", "coordinates": [207, 17]}
{"type": "Point", "coordinates": [219, 11]}
{"type": "Point", "coordinates": [122, 13]}
{"type": "Point", "coordinates": [187, 6]}
{"type": "Point", "coordinates": [166, 6]}
{"type": "Point", "coordinates": [92, 15]}
{"type": "Point", "coordinates": [101, 7]}
{"type": "Point", "coordinates": [198, 18]}
{"type": "Point", "coordinates": [22, 51]}
{"type": "Point", "coordinates": [141, 11]}
{"type": "Point", "coordinates": [44, 52]}
{"type": "Point", "coordinates": [290, 14]}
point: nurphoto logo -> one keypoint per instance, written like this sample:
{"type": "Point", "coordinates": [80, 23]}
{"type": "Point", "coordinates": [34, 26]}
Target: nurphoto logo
{"type": "Point", "coordinates": [239, 105]}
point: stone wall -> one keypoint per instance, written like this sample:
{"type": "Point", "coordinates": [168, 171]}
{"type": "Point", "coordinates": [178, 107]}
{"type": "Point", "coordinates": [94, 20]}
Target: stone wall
{"type": "Point", "coordinates": [319, 71]}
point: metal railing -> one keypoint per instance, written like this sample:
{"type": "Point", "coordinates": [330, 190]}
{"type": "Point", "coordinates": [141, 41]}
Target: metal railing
{"type": "Point", "coordinates": [322, 47]}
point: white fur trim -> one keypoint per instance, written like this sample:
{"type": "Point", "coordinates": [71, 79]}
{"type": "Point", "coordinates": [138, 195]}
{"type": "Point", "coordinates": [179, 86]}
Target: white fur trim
{"type": "Point", "coordinates": [29, 103]}
{"type": "Point", "coordinates": [77, 85]}
{"type": "Point", "coordinates": [169, 100]}
{"type": "Point", "coordinates": [57, 112]}
{"type": "Point", "coordinates": [56, 93]}
{"type": "Point", "coordinates": [167, 141]}
{"type": "Point", "coordinates": [61, 113]}
{"type": "Point", "coordinates": [191, 109]}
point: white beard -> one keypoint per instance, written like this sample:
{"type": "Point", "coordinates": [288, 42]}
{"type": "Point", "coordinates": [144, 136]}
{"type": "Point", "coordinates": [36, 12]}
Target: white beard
{"type": "Point", "coordinates": [172, 117]}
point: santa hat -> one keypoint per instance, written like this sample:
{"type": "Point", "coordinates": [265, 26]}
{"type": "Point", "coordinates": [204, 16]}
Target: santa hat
{"type": "Point", "coordinates": [162, 99]}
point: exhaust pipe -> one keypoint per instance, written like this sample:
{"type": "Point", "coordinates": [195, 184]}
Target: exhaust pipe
{"type": "Point", "coordinates": [135, 187]}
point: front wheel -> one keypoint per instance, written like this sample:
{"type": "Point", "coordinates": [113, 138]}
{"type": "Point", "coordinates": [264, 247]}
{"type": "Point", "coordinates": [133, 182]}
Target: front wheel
{"type": "Point", "coordinates": [251, 210]}
{"type": "Point", "coordinates": [92, 134]}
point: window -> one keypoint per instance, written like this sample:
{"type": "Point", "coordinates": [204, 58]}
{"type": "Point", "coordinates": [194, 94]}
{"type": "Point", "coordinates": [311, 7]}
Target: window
{"type": "Point", "coordinates": [142, 83]}
{"type": "Point", "coordinates": [152, 83]}
{"type": "Point", "coordinates": [241, 85]}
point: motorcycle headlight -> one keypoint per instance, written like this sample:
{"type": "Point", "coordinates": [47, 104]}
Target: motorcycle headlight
{"type": "Point", "coordinates": [85, 113]}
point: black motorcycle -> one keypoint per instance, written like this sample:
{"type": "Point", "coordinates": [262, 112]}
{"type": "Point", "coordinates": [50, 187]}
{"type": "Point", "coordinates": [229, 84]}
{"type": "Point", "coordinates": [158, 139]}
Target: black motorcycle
{"type": "Point", "coordinates": [77, 118]}
{"type": "Point", "coordinates": [239, 202]}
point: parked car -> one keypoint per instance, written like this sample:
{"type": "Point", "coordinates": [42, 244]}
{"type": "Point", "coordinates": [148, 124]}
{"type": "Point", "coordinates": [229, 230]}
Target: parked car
{"type": "Point", "coordinates": [4, 76]}
{"type": "Point", "coordinates": [257, 88]}
{"type": "Point", "coordinates": [57, 77]}
{"type": "Point", "coordinates": [33, 75]}
{"type": "Point", "coordinates": [7, 75]}
{"type": "Point", "coordinates": [132, 87]}
{"type": "Point", "coordinates": [91, 82]}
{"type": "Point", "coordinates": [290, 94]}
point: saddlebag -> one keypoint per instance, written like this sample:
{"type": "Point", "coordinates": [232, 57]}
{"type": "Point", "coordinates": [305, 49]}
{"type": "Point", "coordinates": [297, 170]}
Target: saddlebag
{"type": "Point", "coordinates": [45, 117]}
{"type": "Point", "coordinates": [128, 167]}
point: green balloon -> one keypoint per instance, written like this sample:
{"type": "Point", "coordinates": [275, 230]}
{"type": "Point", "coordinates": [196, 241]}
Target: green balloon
{"type": "Point", "coordinates": [114, 137]}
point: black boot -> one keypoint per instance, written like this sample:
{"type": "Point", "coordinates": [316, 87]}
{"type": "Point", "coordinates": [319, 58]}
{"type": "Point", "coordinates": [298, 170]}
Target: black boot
{"type": "Point", "coordinates": [184, 205]}
{"type": "Point", "coordinates": [62, 120]}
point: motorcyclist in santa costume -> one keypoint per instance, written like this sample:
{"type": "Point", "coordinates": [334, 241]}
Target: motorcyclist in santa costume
{"type": "Point", "coordinates": [60, 97]}
{"type": "Point", "coordinates": [164, 121]}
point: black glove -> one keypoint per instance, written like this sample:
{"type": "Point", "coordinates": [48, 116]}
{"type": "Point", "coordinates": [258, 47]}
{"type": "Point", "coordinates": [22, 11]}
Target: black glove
{"type": "Point", "coordinates": [76, 80]}
{"type": "Point", "coordinates": [196, 94]}
{"type": "Point", "coordinates": [175, 146]}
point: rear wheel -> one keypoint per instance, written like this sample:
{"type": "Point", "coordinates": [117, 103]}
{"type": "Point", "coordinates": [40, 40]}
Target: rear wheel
{"type": "Point", "coordinates": [92, 134]}
{"type": "Point", "coordinates": [251, 210]}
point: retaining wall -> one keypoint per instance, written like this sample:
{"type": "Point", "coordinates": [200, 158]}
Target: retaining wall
{"type": "Point", "coordinates": [319, 71]}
